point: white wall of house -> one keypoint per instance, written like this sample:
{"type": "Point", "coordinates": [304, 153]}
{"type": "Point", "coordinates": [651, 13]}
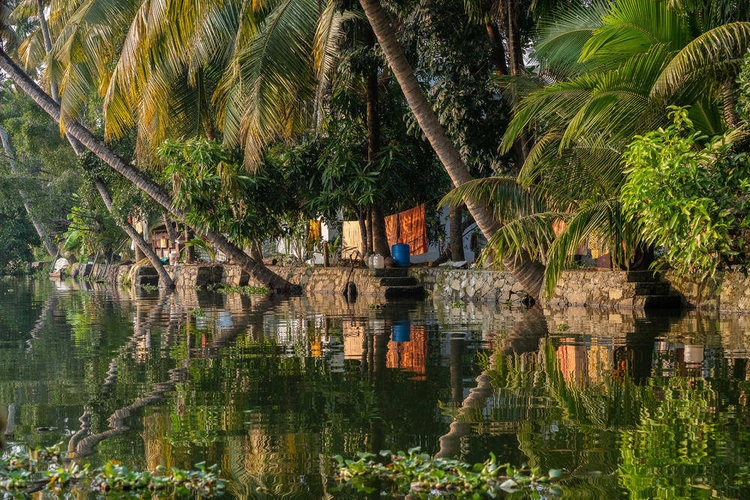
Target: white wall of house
{"type": "Point", "coordinates": [329, 233]}
{"type": "Point", "coordinates": [436, 249]}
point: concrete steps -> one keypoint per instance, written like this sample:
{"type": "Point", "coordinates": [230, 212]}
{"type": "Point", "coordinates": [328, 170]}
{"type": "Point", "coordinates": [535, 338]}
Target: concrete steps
{"type": "Point", "coordinates": [651, 292]}
{"type": "Point", "coordinates": [395, 284]}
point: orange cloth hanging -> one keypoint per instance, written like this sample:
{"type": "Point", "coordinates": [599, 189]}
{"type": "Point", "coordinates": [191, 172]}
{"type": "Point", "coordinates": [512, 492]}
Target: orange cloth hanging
{"type": "Point", "coordinates": [408, 227]}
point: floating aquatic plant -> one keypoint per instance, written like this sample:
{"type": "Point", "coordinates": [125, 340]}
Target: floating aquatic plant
{"type": "Point", "coordinates": [43, 469]}
{"type": "Point", "coordinates": [421, 476]}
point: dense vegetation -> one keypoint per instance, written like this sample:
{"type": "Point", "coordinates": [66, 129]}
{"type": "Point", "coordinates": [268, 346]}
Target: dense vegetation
{"type": "Point", "coordinates": [240, 123]}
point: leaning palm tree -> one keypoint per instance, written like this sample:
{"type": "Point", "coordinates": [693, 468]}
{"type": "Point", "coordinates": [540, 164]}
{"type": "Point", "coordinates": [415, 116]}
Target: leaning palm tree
{"type": "Point", "coordinates": [525, 269]}
{"type": "Point", "coordinates": [620, 66]}
{"type": "Point", "coordinates": [84, 68]}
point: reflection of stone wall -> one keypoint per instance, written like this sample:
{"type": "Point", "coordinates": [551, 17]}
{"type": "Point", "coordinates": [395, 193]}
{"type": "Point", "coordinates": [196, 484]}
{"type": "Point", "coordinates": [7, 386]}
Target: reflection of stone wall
{"type": "Point", "coordinates": [598, 322]}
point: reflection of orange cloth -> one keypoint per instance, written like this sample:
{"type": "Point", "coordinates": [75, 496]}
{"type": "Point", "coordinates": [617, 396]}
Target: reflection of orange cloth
{"type": "Point", "coordinates": [409, 356]}
{"type": "Point", "coordinates": [408, 227]}
{"type": "Point", "coordinates": [573, 362]}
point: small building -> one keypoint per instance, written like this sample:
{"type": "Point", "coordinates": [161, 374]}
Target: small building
{"type": "Point", "coordinates": [163, 245]}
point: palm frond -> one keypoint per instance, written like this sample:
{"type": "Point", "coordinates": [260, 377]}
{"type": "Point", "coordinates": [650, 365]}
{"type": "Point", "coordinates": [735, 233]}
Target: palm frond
{"type": "Point", "coordinates": [633, 26]}
{"type": "Point", "coordinates": [24, 10]}
{"type": "Point", "coordinates": [516, 88]}
{"type": "Point", "coordinates": [32, 51]}
{"type": "Point", "coordinates": [563, 36]}
{"type": "Point", "coordinates": [600, 220]}
{"type": "Point", "coordinates": [506, 197]}
{"type": "Point", "coordinates": [721, 47]}
{"type": "Point", "coordinates": [328, 35]}
{"type": "Point", "coordinates": [552, 106]}
{"type": "Point", "coordinates": [276, 69]}
{"type": "Point", "coordinates": [79, 58]}
{"type": "Point", "coordinates": [618, 100]}
{"type": "Point", "coordinates": [530, 235]}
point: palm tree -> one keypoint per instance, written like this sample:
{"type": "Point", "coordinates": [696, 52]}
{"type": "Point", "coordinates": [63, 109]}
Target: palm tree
{"type": "Point", "coordinates": [137, 177]}
{"type": "Point", "coordinates": [29, 50]}
{"type": "Point", "coordinates": [526, 270]}
{"type": "Point", "coordinates": [618, 68]}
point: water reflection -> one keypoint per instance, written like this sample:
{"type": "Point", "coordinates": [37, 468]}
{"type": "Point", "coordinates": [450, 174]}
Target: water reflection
{"type": "Point", "coordinates": [636, 404]}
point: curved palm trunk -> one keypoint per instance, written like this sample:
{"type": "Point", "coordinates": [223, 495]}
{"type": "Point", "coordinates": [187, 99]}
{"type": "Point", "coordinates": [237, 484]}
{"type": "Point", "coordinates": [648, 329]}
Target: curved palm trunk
{"type": "Point", "coordinates": [139, 179]}
{"type": "Point", "coordinates": [47, 44]}
{"type": "Point", "coordinates": [440, 142]}
{"type": "Point", "coordinates": [134, 235]}
{"type": "Point", "coordinates": [52, 250]}
{"type": "Point", "coordinates": [456, 234]}
{"type": "Point", "coordinates": [377, 219]}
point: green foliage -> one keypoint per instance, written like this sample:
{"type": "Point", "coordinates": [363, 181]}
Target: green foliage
{"type": "Point", "coordinates": [420, 476]}
{"type": "Point", "coordinates": [454, 58]}
{"type": "Point", "coordinates": [213, 186]}
{"type": "Point", "coordinates": [17, 236]}
{"type": "Point", "coordinates": [91, 230]}
{"type": "Point", "coordinates": [743, 80]}
{"type": "Point", "coordinates": [244, 290]}
{"type": "Point", "coordinates": [690, 195]}
{"type": "Point", "coordinates": [115, 477]}
{"type": "Point", "coordinates": [43, 468]}
{"type": "Point", "coordinates": [40, 164]}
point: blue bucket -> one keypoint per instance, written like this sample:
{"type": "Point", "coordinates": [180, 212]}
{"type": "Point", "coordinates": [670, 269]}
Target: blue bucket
{"type": "Point", "coordinates": [401, 331]}
{"type": "Point", "coordinates": [400, 253]}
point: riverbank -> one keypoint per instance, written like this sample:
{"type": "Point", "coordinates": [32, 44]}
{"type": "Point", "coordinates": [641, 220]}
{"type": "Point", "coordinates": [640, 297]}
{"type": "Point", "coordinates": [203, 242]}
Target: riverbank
{"type": "Point", "coordinates": [592, 288]}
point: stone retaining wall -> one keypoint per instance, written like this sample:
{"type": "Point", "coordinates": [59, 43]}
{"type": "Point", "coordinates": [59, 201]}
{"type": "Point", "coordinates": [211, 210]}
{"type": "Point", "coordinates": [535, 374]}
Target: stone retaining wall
{"type": "Point", "coordinates": [726, 291]}
{"type": "Point", "coordinates": [469, 285]}
{"type": "Point", "coordinates": [327, 280]}
{"type": "Point", "coordinates": [594, 288]}
{"type": "Point", "coordinates": [605, 289]}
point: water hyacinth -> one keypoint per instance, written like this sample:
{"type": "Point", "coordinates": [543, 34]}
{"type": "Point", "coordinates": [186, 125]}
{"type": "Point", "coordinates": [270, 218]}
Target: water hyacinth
{"type": "Point", "coordinates": [43, 469]}
{"type": "Point", "coordinates": [420, 476]}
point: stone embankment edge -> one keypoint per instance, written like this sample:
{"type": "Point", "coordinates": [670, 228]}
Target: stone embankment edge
{"type": "Point", "coordinates": [593, 288]}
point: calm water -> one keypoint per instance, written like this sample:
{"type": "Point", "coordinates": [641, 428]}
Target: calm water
{"type": "Point", "coordinates": [629, 405]}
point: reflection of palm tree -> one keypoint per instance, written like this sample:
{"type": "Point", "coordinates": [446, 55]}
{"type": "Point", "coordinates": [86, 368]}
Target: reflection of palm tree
{"type": "Point", "coordinates": [117, 421]}
{"type": "Point", "coordinates": [523, 338]}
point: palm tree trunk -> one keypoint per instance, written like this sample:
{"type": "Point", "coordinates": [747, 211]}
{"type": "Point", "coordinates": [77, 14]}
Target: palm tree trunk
{"type": "Point", "coordinates": [424, 114]}
{"type": "Point", "coordinates": [729, 94]}
{"type": "Point", "coordinates": [40, 229]}
{"type": "Point", "coordinates": [47, 44]}
{"type": "Point", "coordinates": [271, 280]}
{"type": "Point", "coordinates": [513, 39]}
{"type": "Point", "coordinates": [444, 148]}
{"type": "Point", "coordinates": [498, 51]}
{"type": "Point", "coordinates": [164, 276]}
{"type": "Point", "coordinates": [377, 219]}
{"type": "Point", "coordinates": [456, 234]}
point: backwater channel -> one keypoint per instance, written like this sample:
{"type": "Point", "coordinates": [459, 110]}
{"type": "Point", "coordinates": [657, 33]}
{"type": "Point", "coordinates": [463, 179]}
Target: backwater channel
{"type": "Point", "coordinates": [627, 404]}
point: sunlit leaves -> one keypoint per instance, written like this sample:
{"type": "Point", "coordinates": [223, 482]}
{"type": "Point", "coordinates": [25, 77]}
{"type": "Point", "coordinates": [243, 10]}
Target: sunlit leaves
{"type": "Point", "coordinates": [688, 195]}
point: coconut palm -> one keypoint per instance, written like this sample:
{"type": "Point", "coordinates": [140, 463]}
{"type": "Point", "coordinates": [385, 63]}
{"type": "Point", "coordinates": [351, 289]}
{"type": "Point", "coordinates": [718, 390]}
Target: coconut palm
{"type": "Point", "coordinates": [186, 68]}
{"type": "Point", "coordinates": [619, 66]}
{"type": "Point", "coordinates": [136, 176]}
{"type": "Point", "coordinates": [527, 271]}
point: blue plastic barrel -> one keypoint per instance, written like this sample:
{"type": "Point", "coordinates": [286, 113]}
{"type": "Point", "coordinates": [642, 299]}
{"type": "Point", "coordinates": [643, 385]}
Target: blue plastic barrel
{"type": "Point", "coordinates": [401, 331]}
{"type": "Point", "coordinates": [400, 253]}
